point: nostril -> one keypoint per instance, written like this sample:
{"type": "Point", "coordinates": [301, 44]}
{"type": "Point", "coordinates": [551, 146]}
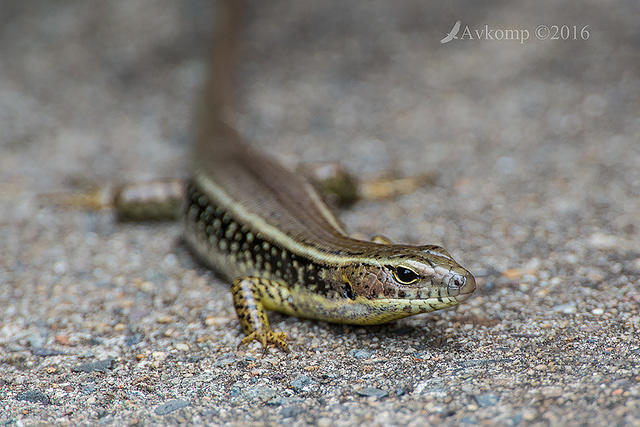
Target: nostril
{"type": "Point", "coordinates": [453, 286]}
{"type": "Point", "coordinates": [461, 285]}
{"type": "Point", "coordinates": [456, 282]}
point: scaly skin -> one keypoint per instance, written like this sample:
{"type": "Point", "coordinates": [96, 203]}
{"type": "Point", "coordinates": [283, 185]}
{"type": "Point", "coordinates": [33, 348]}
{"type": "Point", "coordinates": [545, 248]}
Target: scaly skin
{"type": "Point", "coordinates": [335, 278]}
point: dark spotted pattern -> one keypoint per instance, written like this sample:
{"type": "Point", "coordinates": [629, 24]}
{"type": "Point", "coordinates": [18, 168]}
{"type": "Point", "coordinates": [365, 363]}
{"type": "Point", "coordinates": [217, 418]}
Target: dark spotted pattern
{"type": "Point", "coordinates": [231, 238]}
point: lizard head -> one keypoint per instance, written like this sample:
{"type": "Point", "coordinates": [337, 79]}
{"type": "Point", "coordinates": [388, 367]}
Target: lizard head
{"type": "Point", "coordinates": [413, 279]}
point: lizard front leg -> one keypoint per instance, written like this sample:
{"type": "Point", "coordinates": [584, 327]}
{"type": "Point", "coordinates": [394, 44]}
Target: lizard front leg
{"type": "Point", "coordinates": [248, 294]}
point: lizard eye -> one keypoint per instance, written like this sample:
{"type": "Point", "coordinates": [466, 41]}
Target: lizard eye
{"type": "Point", "coordinates": [405, 275]}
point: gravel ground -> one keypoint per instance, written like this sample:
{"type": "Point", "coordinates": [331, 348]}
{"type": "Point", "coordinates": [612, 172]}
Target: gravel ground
{"type": "Point", "coordinates": [536, 147]}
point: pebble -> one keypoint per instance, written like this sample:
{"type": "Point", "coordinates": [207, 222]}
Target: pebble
{"type": "Point", "coordinates": [568, 308]}
{"type": "Point", "coordinates": [159, 356]}
{"type": "Point", "coordinates": [360, 354]}
{"type": "Point", "coordinates": [516, 419]}
{"type": "Point", "coordinates": [89, 388]}
{"type": "Point", "coordinates": [258, 393]}
{"type": "Point", "coordinates": [182, 346]}
{"type": "Point", "coordinates": [224, 361]}
{"type": "Point", "coordinates": [134, 339]}
{"type": "Point", "coordinates": [603, 241]}
{"type": "Point", "coordinates": [99, 366]}
{"type": "Point", "coordinates": [324, 422]}
{"type": "Point", "coordinates": [486, 400]}
{"type": "Point", "coordinates": [59, 267]}
{"type": "Point", "coordinates": [373, 392]}
{"type": "Point", "coordinates": [171, 406]}
{"type": "Point", "coordinates": [291, 411]}
{"type": "Point", "coordinates": [37, 340]}
{"type": "Point", "coordinates": [301, 382]}
{"type": "Point", "coordinates": [62, 339]}
{"type": "Point", "coordinates": [34, 396]}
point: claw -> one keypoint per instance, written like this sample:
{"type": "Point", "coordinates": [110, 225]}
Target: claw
{"type": "Point", "coordinates": [266, 337]}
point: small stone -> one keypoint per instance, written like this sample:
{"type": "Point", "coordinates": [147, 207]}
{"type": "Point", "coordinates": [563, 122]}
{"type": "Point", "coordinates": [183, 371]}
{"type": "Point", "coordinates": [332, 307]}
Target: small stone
{"type": "Point", "coordinates": [259, 393]}
{"type": "Point", "coordinates": [89, 388]}
{"type": "Point", "coordinates": [99, 366]}
{"type": "Point", "coordinates": [360, 354]}
{"type": "Point", "coordinates": [159, 355]}
{"type": "Point", "coordinates": [324, 422]}
{"type": "Point", "coordinates": [165, 319]}
{"type": "Point", "coordinates": [469, 420]}
{"type": "Point", "coordinates": [291, 411]}
{"type": "Point", "coordinates": [146, 286]}
{"type": "Point", "coordinates": [132, 340]}
{"type": "Point", "coordinates": [597, 311]}
{"type": "Point", "coordinates": [301, 382]}
{"type": "Point", "coordinates": [170, 406]}
{"type": "Point", "coordinates": [59, 267]}
{"type": "Point", "coordinates": [34, 396]}
{"type": "Point", "coordinates": [215, 320]}
{"type": "Point", "coordinates": [182, 346]}
{"type": "Point", "coordinates": [37, 341]}
{"type": "Point", "coordinates": [568, 308]}
{"type": "Point", "coordinates": [224, 361]}
{"type": "Point", "coordinates": [486, 400]}
{"type": "Point", "coordinates": [516, 419]}
{"type": "Point", "coordinates": [62, 339]}
{"type": "Point", "coordinates": [373, 392]}
{"type": "Point", "coordinates": [603, 241]}
{"type": "Point", "coordinates": [555, 281]}
{"type": "Point", "coordinates": [512, 273]}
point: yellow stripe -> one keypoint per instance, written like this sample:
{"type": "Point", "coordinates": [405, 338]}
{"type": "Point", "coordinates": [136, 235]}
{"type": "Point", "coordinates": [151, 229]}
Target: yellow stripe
{"type": "Point", "coordinates": [273, 233]}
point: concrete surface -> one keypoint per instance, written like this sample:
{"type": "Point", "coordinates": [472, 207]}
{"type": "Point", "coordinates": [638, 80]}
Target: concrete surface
{"type": "Point", "coordinates": [536, 147]}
